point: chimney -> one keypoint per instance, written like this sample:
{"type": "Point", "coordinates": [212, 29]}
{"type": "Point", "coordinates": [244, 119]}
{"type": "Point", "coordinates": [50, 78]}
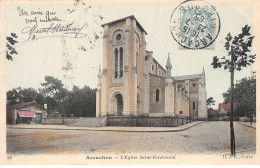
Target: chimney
{"type": "Point", "coordinates": [45, 106]}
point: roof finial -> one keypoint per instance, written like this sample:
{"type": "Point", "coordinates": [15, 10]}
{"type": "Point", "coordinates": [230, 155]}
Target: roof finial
{"type": "Point", "coordinates": [168, 66]}
{"type": "Point", "coordinates": [168, 63]}
{"type": "Point", "coordinates": [99, 71]}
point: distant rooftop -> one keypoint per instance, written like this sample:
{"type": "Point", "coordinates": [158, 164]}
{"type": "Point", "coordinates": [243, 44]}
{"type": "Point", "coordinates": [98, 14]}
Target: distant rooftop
{"type": "Point", "coordinates": [226, 106]}
{"type": "Point", "coordinates": [122, 19]}
{"type": "Point", "coordinates": [187, 77]}
{"type": "Point", "coordinates": [18, 105]}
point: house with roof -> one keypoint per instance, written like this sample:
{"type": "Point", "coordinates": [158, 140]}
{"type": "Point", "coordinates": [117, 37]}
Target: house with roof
{"type": "Point", "coordinates": [131, 82]}
{"type": "Point", "coordinates": [215, 115]}
{"type": "Point", "coordinates": [223, 107]}
{"type": "Point", "coordinates": [26, 112]}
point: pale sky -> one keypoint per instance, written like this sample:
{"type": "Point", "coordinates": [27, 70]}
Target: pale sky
{"type": "Point", "coordinates": [65, 58]}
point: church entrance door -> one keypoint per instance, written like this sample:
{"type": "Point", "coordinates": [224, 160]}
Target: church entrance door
{"type": "Point", "coordinates": [119, 104]}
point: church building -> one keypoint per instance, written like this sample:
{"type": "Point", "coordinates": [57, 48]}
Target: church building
{"type": "Point", "coordinates": [131, 82]}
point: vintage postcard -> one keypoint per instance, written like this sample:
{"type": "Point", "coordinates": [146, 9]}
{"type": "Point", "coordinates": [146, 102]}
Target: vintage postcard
{"type": "Point", "coordinates": [129, 82]}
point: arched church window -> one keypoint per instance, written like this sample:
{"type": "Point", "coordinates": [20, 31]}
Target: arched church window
{"type": "Point", "coordinates": [121, 62]}
{"type": "Point", "coordinates": [116, 63]}
{"type": "Point", "coordinates": [157, 95]}
{"type": "Point", "coordinates": [193, 105]}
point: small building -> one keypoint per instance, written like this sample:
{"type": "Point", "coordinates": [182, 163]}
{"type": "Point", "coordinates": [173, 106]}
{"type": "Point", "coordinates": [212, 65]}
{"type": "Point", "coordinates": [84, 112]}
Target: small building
{"type": "Point", "coordinates": [26, 112]}
{"type": "Point", "coordinates": [214, 115]}
{"type": "Point", "coordinates": [226, 107]}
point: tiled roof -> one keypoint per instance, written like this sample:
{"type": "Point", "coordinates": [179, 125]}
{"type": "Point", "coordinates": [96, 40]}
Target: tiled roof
{"type": "Point", "coordinates": [226, 106]}
{"type": "Point", "coordinates": [187, 77]}
{"type": "Point", "coordinates": [21, 105]}
{"type": "Point", "coordinates": [212, 112]}
{"type": "Point", "coordinates": [215, 112]}
{"type": "Point", "coordinates": [222, 113]}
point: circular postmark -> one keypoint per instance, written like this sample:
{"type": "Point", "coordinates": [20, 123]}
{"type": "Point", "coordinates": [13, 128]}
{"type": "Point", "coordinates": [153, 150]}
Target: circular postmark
{"type": "Point", "coordinates": [195, 24]}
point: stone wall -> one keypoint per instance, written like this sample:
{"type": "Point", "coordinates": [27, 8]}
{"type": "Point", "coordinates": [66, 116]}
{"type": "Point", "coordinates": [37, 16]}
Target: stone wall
{"type": "Point", "coordinates": [147, 121]}
{"type": "Point", "coordinates": [58, 121]}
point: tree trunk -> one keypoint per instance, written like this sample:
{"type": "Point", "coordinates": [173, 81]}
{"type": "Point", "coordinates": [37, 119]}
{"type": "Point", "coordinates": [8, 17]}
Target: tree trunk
{"type": "Point", "coordinates": [63, 111]}
{"type": "Point", "coordinates": [232, 134]}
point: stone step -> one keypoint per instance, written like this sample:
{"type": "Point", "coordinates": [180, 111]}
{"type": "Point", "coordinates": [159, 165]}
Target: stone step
{"type": "Point", "coordinates": [89, 122]}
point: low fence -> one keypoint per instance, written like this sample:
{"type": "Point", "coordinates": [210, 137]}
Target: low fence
{"type": "Point", "coordinates": [147, 121]}
{"type": "Point", "coordinates": [58, 121]}
{"type": "Point", "coordinates": [243, 119]}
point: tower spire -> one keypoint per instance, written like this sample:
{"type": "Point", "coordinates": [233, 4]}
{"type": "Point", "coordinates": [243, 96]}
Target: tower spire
{"type": "Point", "coordinates": [168, 66]}
{"type": "Point", "coordinates": [168, 63]}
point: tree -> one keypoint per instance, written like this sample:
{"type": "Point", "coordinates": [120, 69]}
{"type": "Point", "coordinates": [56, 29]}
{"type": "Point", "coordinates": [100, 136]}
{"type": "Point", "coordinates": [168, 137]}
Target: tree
{"type": "Point", "coordinates": [18, 95]}
{"type": "Point", "coordinates": [52, 104]}
{"type": "Point", "coordinates": [10, 46]}
{"type": "Point", "coordinates": [13, 96]}
{"type": "Point", "coordinates": [244, 96]}
{"type": "Point", "coordinates": [54, 88]}
{"type": "Point", "coordinates": [89, 97]}
{"type": "Point", "coordinates": [238, 49]}
{"type": "Point", "coordinates": [81, 102]}
{"type": "Point", "coordinates": [210, 101]}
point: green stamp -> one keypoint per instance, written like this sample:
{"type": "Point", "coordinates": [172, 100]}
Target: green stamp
{"type": "Point", "coordinates": [195, 24]}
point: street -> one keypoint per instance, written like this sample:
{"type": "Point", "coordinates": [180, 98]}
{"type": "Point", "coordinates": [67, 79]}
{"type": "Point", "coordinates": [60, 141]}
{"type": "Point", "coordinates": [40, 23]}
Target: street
{"type": "Point", "coordinates": [206, 138]}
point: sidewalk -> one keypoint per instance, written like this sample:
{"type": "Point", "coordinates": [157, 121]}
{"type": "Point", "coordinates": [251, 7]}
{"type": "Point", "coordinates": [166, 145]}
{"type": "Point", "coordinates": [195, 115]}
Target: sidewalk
{"type": "Point", "coordinates": [108, 128]}
{"type": "Point", "coordinates": [248, 124]}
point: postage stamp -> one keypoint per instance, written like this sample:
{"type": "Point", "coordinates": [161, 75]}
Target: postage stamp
{"type": "Point", "coordinates": [195, 24]}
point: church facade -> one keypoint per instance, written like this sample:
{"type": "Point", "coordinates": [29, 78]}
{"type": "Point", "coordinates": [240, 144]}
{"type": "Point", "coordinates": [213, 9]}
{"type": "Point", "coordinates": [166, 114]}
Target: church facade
{"type": "Point", "coordinates": [131, 82]}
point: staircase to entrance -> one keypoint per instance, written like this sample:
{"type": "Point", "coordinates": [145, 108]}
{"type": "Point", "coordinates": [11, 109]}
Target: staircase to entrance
{"type": "Point", "coordinates": [89, 122]}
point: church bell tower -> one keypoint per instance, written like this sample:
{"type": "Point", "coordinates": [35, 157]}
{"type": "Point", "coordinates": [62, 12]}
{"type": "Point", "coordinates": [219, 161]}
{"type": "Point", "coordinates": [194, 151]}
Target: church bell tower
{"type": "Point", "coordinates": [120, 79]}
